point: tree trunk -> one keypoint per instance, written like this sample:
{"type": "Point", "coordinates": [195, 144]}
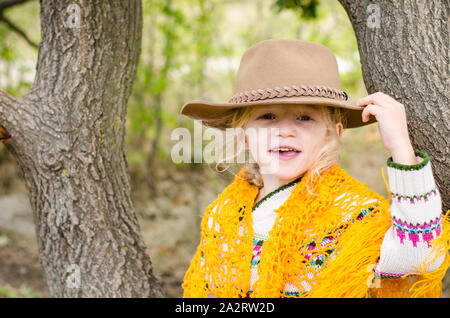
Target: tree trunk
{"type": "Point", "coordinates": [404, 53]}
{"type": "Point", "coordinates": [67, 135]}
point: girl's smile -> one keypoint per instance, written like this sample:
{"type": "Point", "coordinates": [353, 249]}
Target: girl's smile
{"type": "Point", "coordinates": [284, 152]}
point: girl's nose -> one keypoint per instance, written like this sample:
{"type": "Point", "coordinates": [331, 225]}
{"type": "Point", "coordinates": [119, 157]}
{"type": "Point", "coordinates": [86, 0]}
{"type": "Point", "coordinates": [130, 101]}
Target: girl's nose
{"type": "Point", "coordinates": [286, 127]}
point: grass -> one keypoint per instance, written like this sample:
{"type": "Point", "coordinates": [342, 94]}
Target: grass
{"type": "Point", "coordinates": [24, 291]}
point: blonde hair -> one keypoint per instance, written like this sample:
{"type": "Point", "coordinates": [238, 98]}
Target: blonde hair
{"type": "Point", "coordinates": [327, 156]}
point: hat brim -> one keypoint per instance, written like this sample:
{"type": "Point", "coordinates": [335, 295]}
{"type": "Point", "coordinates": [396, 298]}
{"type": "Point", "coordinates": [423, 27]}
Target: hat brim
{"type": "Point", "coordinates": [204, 110]}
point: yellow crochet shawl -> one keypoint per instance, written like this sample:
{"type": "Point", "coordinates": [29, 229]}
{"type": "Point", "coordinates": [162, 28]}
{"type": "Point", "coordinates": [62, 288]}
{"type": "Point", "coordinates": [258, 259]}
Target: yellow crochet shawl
{"type": "Point", "coordinates": [221, 264]}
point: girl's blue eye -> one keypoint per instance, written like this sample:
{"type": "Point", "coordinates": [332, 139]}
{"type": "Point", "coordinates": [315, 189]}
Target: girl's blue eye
{"type": "Point", "coordinates": [271, 116]}
{"type": "Point", "coordinates": [305, 117]}
{"type": "Point", "coordinates": [266, 116]}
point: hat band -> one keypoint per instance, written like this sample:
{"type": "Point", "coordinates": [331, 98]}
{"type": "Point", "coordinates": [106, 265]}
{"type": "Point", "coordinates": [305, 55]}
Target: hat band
{"type": "Point", "coordinates": [288, 91]}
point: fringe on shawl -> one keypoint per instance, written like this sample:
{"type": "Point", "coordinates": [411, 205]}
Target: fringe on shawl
{"type": "Point", "coordinates": [359, 251]}
{"type": "Point", "coordinates": [221, 264]}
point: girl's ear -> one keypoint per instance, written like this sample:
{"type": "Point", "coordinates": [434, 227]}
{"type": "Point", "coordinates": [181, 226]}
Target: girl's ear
{"type": "Point", "coordinates": [339, 128]}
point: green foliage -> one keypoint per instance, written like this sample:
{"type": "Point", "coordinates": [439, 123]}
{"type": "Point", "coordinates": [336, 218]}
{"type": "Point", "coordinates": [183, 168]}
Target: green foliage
{"type": "Point", "coordinates": [306, 8]}
{"type": "Point", "coordinates": [17, 57]}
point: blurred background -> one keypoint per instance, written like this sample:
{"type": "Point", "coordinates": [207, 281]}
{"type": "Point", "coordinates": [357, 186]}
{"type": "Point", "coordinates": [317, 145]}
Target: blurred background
{"type": "Point", "coordinates": [190, 50]}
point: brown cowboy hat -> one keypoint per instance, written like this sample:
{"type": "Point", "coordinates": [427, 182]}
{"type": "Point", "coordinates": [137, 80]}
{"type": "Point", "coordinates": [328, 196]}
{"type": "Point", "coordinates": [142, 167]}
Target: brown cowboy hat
{"type": "Point", "coordinates": [281, 72]}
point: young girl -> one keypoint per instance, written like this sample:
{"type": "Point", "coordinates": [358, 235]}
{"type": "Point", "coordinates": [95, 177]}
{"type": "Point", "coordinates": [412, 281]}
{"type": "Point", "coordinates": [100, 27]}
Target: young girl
{"type": "Point", "coordinates": [295, 224]}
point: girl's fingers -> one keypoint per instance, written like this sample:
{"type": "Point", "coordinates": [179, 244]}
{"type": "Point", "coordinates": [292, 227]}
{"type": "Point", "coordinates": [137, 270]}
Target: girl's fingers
{"type": "Point", "coordinates": [375, 98]}
{"type": "Point", "coordinates": [370, 109]}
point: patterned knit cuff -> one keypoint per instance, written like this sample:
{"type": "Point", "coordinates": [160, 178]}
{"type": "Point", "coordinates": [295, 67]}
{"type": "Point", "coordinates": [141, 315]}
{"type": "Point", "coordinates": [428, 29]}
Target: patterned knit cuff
{"type": "Point", "coordinates": [412, 183]}
{"type": "Point", "coordinates": [415, 197]}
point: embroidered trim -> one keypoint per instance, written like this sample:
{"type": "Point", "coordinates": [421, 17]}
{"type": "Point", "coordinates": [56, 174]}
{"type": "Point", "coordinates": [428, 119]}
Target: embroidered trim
{"type": "Point", "coordinates": [317, 258]}
{"type": "Point", "coordinates": [365, 212]}
{"type": "Point", "coordinates": [293, 90]}
{"type": "Point", "coordinates": [257, 246]}
{"type": "Point", "coordinates": [267, 196]}
{"type": "Point", "coordinates": [418, 166]}
{"type": "Point", "coordinates": [414, 231]}
{"type": "Point", "coordinates": [414, 198]}
{"type": "Point", "coordinates": [390, 275]}
{"type": "Point", "coordinates": [286, 293]}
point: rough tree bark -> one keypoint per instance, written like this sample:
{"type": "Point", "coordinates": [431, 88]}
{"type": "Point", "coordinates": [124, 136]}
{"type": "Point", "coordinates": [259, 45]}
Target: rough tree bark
{"type": "Point", "coordinates": [67, 136]}
{"type": "Point", "coordinates": [406, 56]}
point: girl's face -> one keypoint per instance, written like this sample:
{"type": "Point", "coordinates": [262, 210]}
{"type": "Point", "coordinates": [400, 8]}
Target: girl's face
{"type": "Point", "coordinates": [299, 127]}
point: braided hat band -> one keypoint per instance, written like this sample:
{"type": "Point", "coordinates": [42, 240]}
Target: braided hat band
{"type": "Point", "coordinates": [288, 91]}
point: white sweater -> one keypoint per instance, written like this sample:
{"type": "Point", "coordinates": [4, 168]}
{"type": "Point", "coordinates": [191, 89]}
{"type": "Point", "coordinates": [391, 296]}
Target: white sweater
{"type": "Point", "coordinates": [416, 219]}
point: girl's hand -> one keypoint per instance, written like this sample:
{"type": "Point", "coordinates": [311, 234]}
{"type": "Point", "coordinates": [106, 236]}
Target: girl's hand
{"type": "Point", "coordinates": [392, 123]}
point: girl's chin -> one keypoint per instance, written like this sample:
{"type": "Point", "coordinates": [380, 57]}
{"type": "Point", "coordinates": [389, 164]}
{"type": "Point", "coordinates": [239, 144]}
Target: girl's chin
{"type": "Point", "coordinates": [289, 177]}
{"type": "Point", "coordinates": [285, 173]}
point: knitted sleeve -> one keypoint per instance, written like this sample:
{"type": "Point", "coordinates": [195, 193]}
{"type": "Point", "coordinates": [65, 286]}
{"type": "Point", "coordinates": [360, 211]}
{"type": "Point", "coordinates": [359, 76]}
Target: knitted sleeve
{"type": "Point", "coordinates": [416, 214]}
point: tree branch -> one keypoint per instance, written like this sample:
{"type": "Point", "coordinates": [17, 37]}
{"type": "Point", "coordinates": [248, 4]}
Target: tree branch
{"type": "Point", "coordinates": [10, 3]}
{"type": "Point", "coordinates": [8, 104]}
{"type": "Point", "coordinates": [16, 29]}
{"type": "Point", "coordinates": [6, 100]}
{"type": "Point", "coordinates": [17, 117]}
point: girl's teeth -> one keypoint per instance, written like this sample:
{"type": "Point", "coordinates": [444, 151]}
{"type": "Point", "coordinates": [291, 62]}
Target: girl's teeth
{"type": "Point", "coordinates": [284, 149]}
